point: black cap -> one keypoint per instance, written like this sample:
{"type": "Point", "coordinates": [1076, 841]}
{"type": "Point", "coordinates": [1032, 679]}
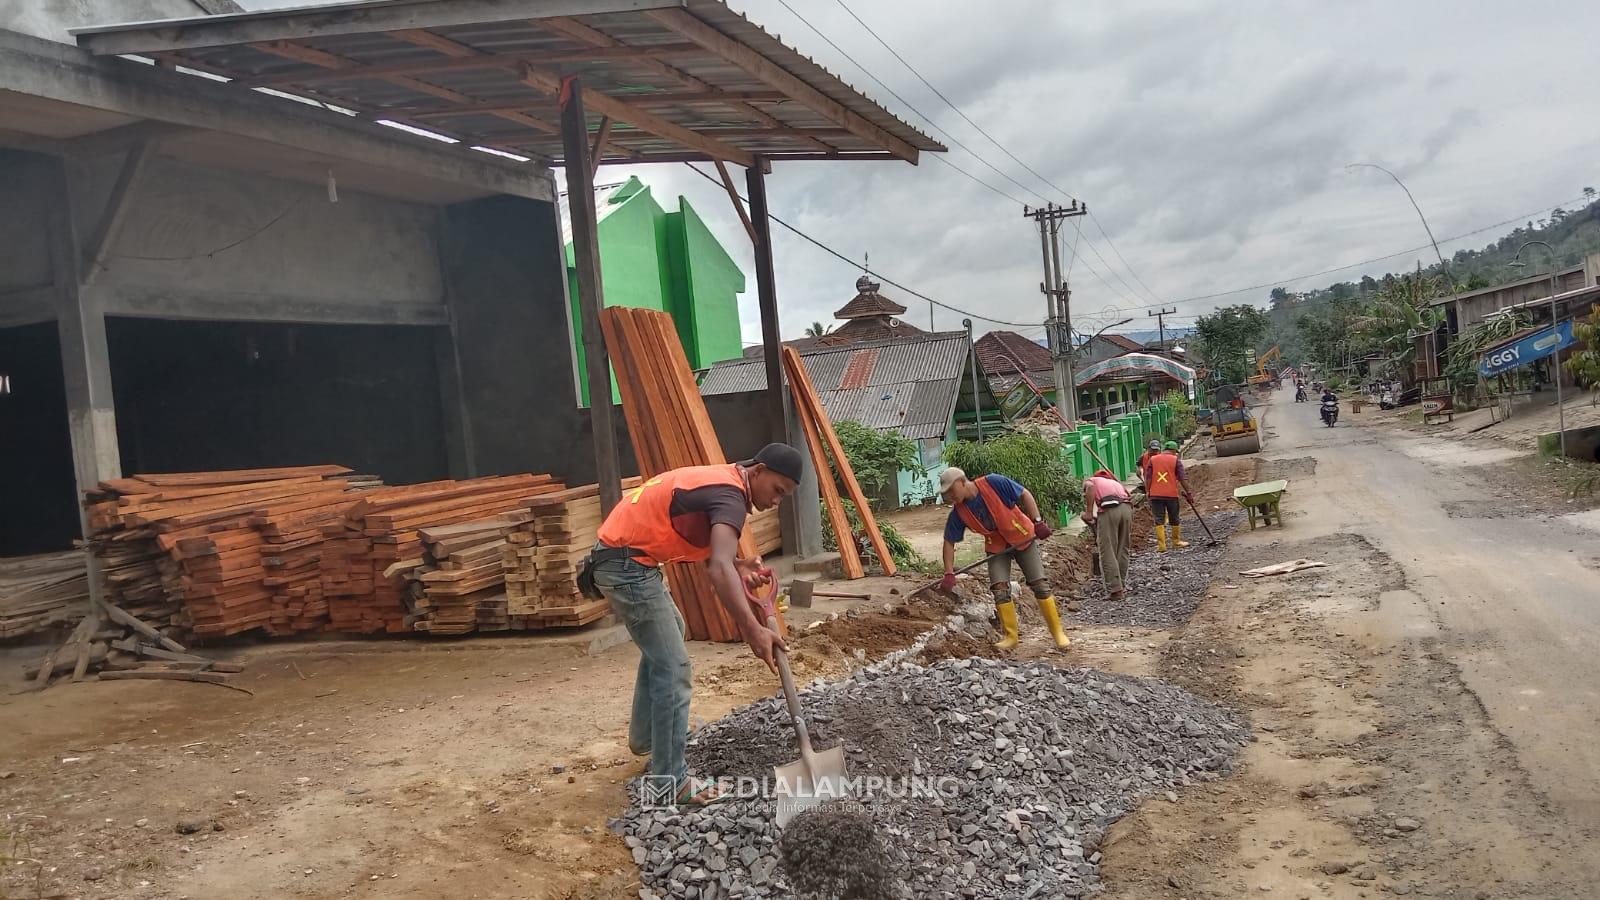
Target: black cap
{"type": "Point", "coordinates": [780, 458]}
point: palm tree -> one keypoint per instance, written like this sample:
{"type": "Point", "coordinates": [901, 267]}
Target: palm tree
{"type": "Point", "coordinates": [817, 329]}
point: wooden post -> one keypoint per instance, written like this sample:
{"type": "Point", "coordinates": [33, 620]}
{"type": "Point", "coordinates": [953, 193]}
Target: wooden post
{"type": "Point", "coordinates": [591, 293]}
{"type": "Point", "coordinates": [767, 299]}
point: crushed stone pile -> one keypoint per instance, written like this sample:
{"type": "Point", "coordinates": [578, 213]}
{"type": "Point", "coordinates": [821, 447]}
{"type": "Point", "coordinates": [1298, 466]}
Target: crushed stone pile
{"type": "Point", "coordinates": [1164, 588]}
{"type": "Point", "coordinates": [833, 852]}
{"type": "Point", "coordinates": [1018, 770]}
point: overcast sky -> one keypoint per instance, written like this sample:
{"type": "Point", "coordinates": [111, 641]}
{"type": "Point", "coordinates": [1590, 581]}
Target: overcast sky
{"type": "Point", "coordinates": [1209, 138]}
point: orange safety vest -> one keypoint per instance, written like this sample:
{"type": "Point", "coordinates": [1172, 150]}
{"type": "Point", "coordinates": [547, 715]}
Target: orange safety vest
{"type": "Point", "coordinates": [1163, 480]}
{"type": "Point", "coordinates": [643, 520]}
{"type": "Point", "coordinates": [1012, 527]}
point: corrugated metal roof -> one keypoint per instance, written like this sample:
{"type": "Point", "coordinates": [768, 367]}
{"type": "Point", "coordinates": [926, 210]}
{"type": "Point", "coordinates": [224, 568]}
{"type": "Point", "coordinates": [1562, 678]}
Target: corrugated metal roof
{"type": "Point", "coordinates": [481, 72]}
{"type": "Point", "coordinates": [912, 388]}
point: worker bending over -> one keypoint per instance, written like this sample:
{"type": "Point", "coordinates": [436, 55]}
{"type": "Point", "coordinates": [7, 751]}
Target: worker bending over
{"type": "Point", "coordinates": [1108, 509]}
{"type": "Point", "coordinates": [1164, 482]}
{"type": "Point", "coordinates": [693, 514]}
{"type": "Point", "coordinates": [1007, 516]}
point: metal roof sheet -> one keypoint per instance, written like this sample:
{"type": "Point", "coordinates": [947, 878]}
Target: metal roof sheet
{"type": "Point", "coordinates": [912, 388]}
{"type": "Point", "coordinates": [484, 72]}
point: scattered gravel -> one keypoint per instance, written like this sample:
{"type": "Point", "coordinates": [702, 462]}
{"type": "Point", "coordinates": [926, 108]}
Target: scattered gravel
{"type": "Point", "coordinates": [1164, 588]}
{"type": "Point", "coordinates": [1019, 768]}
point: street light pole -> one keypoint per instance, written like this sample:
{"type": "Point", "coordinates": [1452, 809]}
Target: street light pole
{"type": "Point", "coordinates": [1561, 410]}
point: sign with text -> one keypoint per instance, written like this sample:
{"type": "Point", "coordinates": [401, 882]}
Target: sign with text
{"type": "Point", "coordinates": [1531, 348]}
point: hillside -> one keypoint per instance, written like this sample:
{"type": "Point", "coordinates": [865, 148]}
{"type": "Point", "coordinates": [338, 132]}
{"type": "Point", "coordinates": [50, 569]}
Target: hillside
{"type": "Point", "coordinates": [1572, 233]}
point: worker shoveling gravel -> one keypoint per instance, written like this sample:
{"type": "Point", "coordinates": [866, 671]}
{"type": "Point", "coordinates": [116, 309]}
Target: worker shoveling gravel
{"type": "Point", "coordinates": [986, 778]}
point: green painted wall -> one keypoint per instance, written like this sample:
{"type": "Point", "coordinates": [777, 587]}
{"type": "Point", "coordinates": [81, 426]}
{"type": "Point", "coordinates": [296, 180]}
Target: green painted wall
{"type": "Point", "coordinates": [653, 259]}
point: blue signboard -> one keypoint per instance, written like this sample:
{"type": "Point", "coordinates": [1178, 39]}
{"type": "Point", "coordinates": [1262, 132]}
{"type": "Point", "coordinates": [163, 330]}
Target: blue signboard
{"type": "Point", "coordinates": [1532, 348]}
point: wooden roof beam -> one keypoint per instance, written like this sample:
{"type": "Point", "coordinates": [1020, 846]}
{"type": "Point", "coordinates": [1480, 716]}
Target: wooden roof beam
{"type": "Point", "coordinates": [605, 105]}
{"type": "Point", "coordinates": [580, 33]}
{"type": "Point", "coordinates": [774, 76]}
{"type": "Point", "coordinates": [477, 61]}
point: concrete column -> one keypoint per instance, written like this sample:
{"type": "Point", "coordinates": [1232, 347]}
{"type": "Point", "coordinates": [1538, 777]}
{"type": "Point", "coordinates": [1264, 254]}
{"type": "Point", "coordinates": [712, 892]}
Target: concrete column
{"type": "Point", "coordinates": [85, 356]}
{"type": "Point", "coordinates": [800, 517]}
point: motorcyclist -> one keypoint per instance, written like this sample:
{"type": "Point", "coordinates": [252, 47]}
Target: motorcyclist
{"type": "Point", "coordinates": [1299, 392]}
{"type": "Point", "coordinates": [1330, 404]}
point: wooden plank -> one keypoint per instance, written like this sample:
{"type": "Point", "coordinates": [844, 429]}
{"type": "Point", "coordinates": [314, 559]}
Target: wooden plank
{"type": "Point", "coordinates": [550, 82]}
{"type": "Point", "coordinates": [480, 61]}
{"type": "Point", "coordinates": [849, 558]}
{"type": "Point", "coordinates": [806, 396]}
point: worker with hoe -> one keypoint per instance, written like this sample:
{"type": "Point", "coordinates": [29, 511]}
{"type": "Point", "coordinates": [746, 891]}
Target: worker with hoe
{"type": "Point", "coordinates": [1164, 482]}
{"type": "Point", "coordinates": [692, 514]}
{"type": "Point", "coordinates": [1007, 516]}
{"type": "Point", "coordinates": [1108, 511]}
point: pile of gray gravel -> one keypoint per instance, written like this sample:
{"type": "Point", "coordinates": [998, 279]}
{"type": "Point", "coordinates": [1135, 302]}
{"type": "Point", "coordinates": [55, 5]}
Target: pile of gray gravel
{"type": "Point", "coordinates": [1164, 589]}
{"type": "Point", "coordinates": [1020, 768]}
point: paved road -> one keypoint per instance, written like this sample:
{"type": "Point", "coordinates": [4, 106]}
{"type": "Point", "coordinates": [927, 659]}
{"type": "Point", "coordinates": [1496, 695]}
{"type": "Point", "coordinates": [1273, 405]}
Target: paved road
{"type": "Point", "coordinates": [1514, 599]}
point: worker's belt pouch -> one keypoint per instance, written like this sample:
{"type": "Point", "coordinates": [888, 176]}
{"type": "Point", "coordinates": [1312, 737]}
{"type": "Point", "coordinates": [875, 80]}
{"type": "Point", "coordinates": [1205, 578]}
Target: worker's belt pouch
{"type": "Point", "coordinates": [599, 554]}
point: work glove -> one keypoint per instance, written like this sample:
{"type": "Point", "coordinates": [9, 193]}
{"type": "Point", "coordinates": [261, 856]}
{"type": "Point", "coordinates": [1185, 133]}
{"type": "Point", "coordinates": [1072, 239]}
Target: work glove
{"type": "Point", "coordinates": [948, 582]}
{"type": "Point", "coordinates": [1041, 530]}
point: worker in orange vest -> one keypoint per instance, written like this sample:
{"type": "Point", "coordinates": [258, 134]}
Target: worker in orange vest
{"type": "Point", "coordinates": [692, 514]}
{"type": "Point", "coordinates": [1007, 516]}
{"type": "Point", "coordinates": [1152, 450]}
{"type": "Point", "coordinates": [1164, 482]}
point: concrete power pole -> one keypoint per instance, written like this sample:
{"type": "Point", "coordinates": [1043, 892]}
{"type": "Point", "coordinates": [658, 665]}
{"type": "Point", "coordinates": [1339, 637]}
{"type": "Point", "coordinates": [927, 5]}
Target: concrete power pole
{"type": "Point", "coordinates": [1161, 325]}
{"type": "Point", "coordinates": [1058, 319]}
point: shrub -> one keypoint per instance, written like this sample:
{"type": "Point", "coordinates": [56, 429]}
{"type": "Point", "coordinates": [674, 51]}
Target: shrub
{"type": "Point", "coordinates": [876, 456]}
{"type": "Point", "coordinates": [1183, 421]}
{"type": "Point", "coordinates": [1032, 460]}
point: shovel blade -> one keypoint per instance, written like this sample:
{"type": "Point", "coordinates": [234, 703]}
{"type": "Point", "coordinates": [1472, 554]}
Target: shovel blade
{"type": "Point", "coordinates": [807, 782]}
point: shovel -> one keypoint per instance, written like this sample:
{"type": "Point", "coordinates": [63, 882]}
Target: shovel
{"type": "Point", "coordinates": [817, 776]}
{"type": "Point", "coordinates": [1213, 542]}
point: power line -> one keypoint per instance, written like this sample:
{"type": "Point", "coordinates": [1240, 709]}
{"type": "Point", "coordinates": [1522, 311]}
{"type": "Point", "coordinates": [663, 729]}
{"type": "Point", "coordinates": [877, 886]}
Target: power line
{"type": "Point", "coordinates": [1014, 158]}
{"type": "Point", "coordinates": [957, 141]}
{"type": "Point", "coordinates": [857, 265]}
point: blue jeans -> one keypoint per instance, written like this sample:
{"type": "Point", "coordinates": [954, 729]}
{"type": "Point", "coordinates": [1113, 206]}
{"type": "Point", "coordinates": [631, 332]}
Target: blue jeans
{"type": "Point", "coordinates": [660, 722]}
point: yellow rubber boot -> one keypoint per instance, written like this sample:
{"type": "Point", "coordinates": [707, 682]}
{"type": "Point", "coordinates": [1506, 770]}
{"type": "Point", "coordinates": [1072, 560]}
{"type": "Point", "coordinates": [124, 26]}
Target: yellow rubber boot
{"type": "Point", "coordinates": [1047, 606]}
{"type": "Point", "coordinates": [1177, 537]}
{"type": "Point", "coordinates": [1008, 624]}
{"type": "Point", "coordinates": [1161, 538]}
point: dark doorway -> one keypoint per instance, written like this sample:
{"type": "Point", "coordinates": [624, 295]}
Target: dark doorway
{"type": "Point", "coordinates": [36, 478]}
{"type": "Point", "coordinates": [196, 396]}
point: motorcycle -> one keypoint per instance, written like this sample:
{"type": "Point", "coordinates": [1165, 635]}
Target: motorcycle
{"type": "Point", "coordinates": [1300, 395]}
{"type": "Point", "coordinates": [1330, 412]}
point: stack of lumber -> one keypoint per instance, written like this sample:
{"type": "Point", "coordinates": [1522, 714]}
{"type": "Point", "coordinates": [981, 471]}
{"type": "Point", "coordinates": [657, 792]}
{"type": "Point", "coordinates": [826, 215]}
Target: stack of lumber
{"type": "Point", "coordinates": [541, 560]}
{"type": "Point", "coordinates": [41, 592]}
{"type": "Point", "coordinates": [819, 436]}
{"type": "Point", "coordinates": [188, 551]}
{"type": "Point", "coordinates": [765, 529]}
{"type": "Point", "coordinates": [670, 427]}
{"type": "Point", "coordinates": [369, 556]}
{"type": "Point", "coordinates": [460, 586]}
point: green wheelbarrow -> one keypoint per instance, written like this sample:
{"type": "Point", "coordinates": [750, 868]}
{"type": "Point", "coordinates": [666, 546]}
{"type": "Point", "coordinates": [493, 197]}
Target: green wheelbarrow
{"type": "Point", "coordinates": [1262, 500]}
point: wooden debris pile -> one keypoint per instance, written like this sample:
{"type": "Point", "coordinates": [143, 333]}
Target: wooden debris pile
{"type": "Point", "coordinates": [377, 546]}
{"type": "Point", "coordinates": [41, 592]}
{"type": "Point", "coordinates": [115, 645]}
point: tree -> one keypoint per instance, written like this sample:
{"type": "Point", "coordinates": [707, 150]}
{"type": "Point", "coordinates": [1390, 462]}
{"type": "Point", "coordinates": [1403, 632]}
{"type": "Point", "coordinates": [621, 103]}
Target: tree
{"type": "Point", "coordinates": [1226, 339]}
{"type": "Point", "coordinates": [1585, 364]}
{"type": "Point", "coordinates": [817, 329]}
{"type": "Point", "coordinates": [1281, 297]}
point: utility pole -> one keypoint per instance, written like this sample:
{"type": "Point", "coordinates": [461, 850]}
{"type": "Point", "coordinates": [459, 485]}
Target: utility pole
{"type": "Point", "coordinates": [1058, 307]}
{"type": "Point", "coordinates": [1161, 325]}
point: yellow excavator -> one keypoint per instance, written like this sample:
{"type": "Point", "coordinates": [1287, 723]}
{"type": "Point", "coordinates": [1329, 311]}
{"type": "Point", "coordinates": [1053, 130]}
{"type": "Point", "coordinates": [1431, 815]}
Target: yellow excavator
{"type": "Point", "coordinates": [1233, 427]}
{"type": "Point", "coordinates": [1266, 377]}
